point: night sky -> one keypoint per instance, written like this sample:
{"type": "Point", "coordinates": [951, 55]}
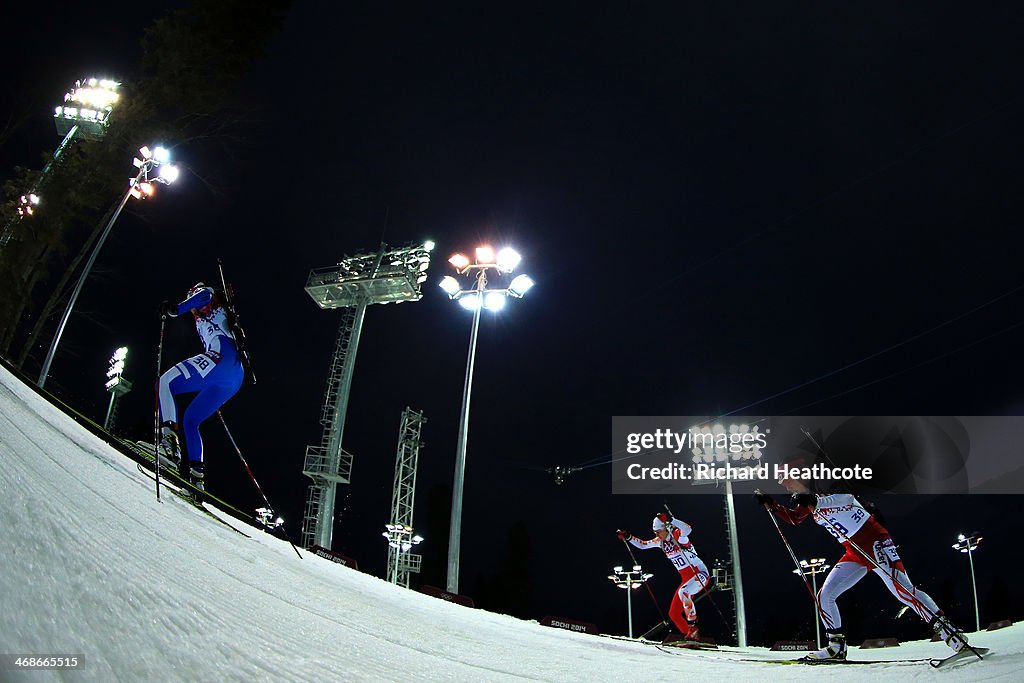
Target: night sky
{"type": "Point", "coordinates": [718, 204]}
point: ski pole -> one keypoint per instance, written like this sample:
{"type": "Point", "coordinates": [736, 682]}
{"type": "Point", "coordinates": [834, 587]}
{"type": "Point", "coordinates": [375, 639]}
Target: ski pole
{"type": "Point", "coordinates": [703, 585]}
{"type": "Point", "coordinates": [841, 532]}
{"type": "Point", "coordinates": [156, 407]}
{"type": "Point", "coordinates": [796, 562]}
{"type": "Point", "coordinates": [647, 585]}
{"type": "Point", "coordinates": [863, 553]}
{"type": "Point", "coordinates": [256, 483]}
{"type": "Point", "coordinates": [911, 592]}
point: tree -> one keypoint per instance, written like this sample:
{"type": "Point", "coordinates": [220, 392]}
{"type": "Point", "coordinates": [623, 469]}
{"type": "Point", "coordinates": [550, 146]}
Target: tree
{"type": "Point", "coordinates": [511, 590]}
{"type": "Point", "coordinates": [192, 61]}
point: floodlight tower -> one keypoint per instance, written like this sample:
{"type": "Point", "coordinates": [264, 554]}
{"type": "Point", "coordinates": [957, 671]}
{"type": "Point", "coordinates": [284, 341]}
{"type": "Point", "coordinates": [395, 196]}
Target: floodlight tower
{"type": "Point", "coordinates": [85, 114]}
{"type": "Point", "coordinates": [399, 533]}
{"type": "Point", "coordinates": [713, 448]}
{"type": "Point", "coordinates": [479, 297]}
{"type": "Point", "coordinates": [813, 567]}
{"type": "Point", "coordinates": [968, 544]}
{"type": "Point", "coordinates": [387, 276]}
{"type": "Point", "coordinates": [154, 167]}
{"type": "Point", "coordinates": [630, 580]}
{"type": "Point", "coordinates": [116, 384]}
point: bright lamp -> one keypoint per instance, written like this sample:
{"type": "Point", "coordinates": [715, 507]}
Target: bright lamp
{"type": "Point", "coordinates": [470, 302]}
{"type": "Point", "coordinates": [450, 285]}
{"type": "Point", "coordinates": [484, 255]}
{"type": "Point", "coordinates": [494, 301]}
{"type": "Point", "coordinates": [520, 285]}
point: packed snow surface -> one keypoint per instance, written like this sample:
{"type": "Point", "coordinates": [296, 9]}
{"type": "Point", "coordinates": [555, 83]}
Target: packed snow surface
{"type": "Point", "coordinates": [94, 565]}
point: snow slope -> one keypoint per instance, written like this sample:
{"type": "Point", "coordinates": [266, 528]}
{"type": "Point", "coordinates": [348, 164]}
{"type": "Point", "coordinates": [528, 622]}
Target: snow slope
{"type": "Point", "coordinates": [92, 564]}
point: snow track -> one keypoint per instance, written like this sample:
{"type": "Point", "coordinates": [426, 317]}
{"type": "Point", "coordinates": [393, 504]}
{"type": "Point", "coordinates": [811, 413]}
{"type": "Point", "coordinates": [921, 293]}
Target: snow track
{"type": "Point", "coordinates": [93, 564]}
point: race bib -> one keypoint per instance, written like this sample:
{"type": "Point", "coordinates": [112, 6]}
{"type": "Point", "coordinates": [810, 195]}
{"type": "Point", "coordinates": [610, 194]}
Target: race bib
{"type": "Point", "coordinates": [202, 364]}
{"type": "Point", "coordinates": [885, 552]}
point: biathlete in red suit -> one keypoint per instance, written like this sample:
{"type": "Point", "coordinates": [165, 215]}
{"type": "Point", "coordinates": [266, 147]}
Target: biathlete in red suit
{"type": "Point", "coordinates": [673, 537]}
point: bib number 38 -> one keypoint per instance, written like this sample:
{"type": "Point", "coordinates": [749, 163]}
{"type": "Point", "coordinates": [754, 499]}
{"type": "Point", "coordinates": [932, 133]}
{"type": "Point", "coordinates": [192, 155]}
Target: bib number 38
{"type": "Point", "coordinates": [202, 363]}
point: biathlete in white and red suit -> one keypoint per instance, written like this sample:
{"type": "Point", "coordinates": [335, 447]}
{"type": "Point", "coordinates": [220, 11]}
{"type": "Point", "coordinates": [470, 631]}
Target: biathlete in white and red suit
{"type": "Point", "coordinates": [673, 537]}
{"type": "Point", "coordinates": [869, 548]}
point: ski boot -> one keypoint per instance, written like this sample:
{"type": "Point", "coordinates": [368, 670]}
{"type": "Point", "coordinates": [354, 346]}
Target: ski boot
{"type": "Point", "coordinates": [196, 477]}
{"type": "Point", "coordinates": [168, 451]}
{"type": "Point", "coordinates": [690, 639]}
{"type": "Point", "coordinates": [949, 633]}
{"type": "Point", "coordinates": [835, 651]}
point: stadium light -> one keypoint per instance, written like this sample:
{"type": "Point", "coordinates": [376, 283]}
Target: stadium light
{"type": "Point", "coordinates": [484, 255]}
{"type": "Point", "coordinates": [140, 187]}
{"type": "Point", "coordinates": [630, 581]}
{"type": "Point", "coordinates": [711, 445]}
{"type": "Point", "coordinates": [474, 299]}
{"type": "Point", "coordinates": [117, 385]}
{"type": "Point", "coordinates": [450, 285]}
{"type": "Point", "coordinates": [402, 538]}
{"type": "Point", "coordinates": [520, 285]}
{"type": "Point", "coordinates": [494, 301]}
{"type": "Point", "coordinates": [85, 113]}
{"type": "Point", "coordinates": [968, 544]}
{"type": "Point", "coordinates": [508, 259]}
{"type": "Point", "coordinates": [27, 204]}
{"type": "Point", "coordinates": [814, 567]}
{"type": "Point", "coordinates": [87, 108]}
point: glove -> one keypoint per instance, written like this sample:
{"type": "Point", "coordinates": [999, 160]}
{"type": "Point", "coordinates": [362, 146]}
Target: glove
{"type": "Point", "coordinates": [808, 499]}
{"type": "Point", "coordinates": [763, 498]}
{"type": "Point", "coordinates": [663, 517]}
{"type": "Point", "coordinates": [168, 310]}
{"type": "Point", "coordinates": [623, 535]}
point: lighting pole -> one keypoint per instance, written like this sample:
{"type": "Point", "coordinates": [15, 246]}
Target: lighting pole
{"type": "Point", "coordinates": [737, 575]}
{"type": "Point", "coordinates": [629, 580]}
{"type": "Point", "coordinates": [711, 445]}
{"type": "Point", "coordinates": [141, 186]}
{"type": "Point", "coordinates": [117, 385]}
{"type": "Point", "coordinates": [814, 567]}
{"type": "Point", "coordinates": [401, 540]}
{"type": "Point", "coordinates": [968, 544]}
{"type": "Point", "coordinates": [474, 299]}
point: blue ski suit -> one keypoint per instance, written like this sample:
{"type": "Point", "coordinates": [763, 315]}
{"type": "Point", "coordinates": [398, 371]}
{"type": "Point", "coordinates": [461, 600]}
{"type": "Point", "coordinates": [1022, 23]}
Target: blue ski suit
{"type": "Point", "coordinates": [214, 375]}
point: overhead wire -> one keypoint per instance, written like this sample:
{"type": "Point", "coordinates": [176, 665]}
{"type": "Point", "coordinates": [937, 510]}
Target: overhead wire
{"type": "Point", "coordinates": [611, 457]}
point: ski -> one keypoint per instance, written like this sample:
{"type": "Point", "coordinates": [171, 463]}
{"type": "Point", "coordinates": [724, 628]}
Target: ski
{"type": "Point", "coordinates": [191, 500]}
{"type": "Point", "coordinates": [690, 645]}
{"type": "Point", "coordinates": [837, 662]}
{"type": "Point", "coordinates": [834, 662]}
{"type": "Point", "coordinates": [967, 653]}
{"type": "Point", "coordinates": [199, 506]}
{"type": "Point", "coordinates": [704, 652]}
{"type": "Point", "coordinates": [145, 450]}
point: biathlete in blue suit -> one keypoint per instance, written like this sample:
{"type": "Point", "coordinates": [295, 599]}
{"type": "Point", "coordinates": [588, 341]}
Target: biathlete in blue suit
{"type": "Point", "coordinates": [214, 376]}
